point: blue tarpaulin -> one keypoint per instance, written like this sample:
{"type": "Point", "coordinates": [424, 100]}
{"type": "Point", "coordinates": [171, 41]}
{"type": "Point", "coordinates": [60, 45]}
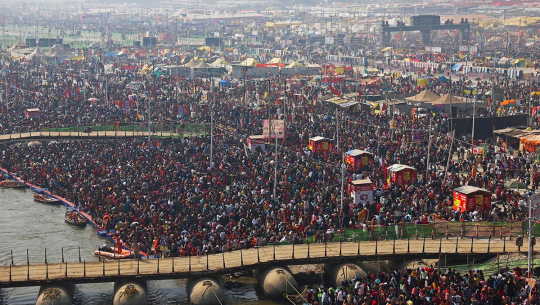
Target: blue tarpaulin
{"type": "Point", "coordinates": [457, 67]}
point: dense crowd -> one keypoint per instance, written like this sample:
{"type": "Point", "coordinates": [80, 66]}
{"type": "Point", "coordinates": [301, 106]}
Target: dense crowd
{"type": "Point", "coordinates": [427, 285]}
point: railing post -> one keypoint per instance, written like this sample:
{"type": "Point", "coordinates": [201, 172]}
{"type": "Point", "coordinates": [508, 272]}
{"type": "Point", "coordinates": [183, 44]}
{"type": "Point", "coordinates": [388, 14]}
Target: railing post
{"type": "Point", "coordinates": [325, 248]}
{"type": "Point", "coordinates": [424, 245]}
{"type": "Point", "coordinates": [440, 245]}
{"type": "Point", "coordinates": [158, 264]}
{"type": "Point", "coordinates": [457, 241]}
{"type": "Point", "coordinates": [340, 242]}
{"type": "Point", "coordinates": [66, 269]}
{"type": "Point", "coordinates": [190, 262]}
{"type": "Point", "coordinates": [46, 272]}
{"type": "Point", "coordinates": [416, 231]}
{"type": "Point", "coordinates": [394, 247]}
{"type": "Point", "coordinates": [222, 255]}
{"type": "Point", "coordinates": [293, 248]}
{"type": "Point", "coordinates": [27, 258]}
{"type": "Point", "coordinates": [477, 232]}
{"type": "Point", "coordinates": [62, 254]}
{"type": "Point", "coordinates": [84, 268]}
{"type": "Point", "coordinates": [12, 257]}
{"type": "Point", "coordinates": [376, 245]}
{"type": "Point", "coordinates": [259, 258]}
{"type": "Point", "coordinates": [104, 267]}
{"type": "Point", "coordinates": [472, 244]}
{"type": "Point", "coordinates": [447, 233]}
{"type": "Point", "coordinates": [359, 246]}
{"type": "Point", "coordinates": [172, 264]}
{"type": "Point", "coordinates": [138, 262]}
{"type": "Point", "coordinates": [45, 256]}
{"type": "Point", "coordinates": [489, 242]}
{"type": "Point", "coordinates": [275, 249]}
{"type": "Point", "coordinates": [307, 242]}
{"type": "Point", "coordinates": [504, 244]}
{"type": "Point", "coordinates": [118, 267]}
{"type": "Point", "coordinates": [408, 245]}
{"type": "Point", "coordinates": [10, 273]}
{"type": "Point", "coordinates": [207, 264]}
{"type": "Point", "coordinates": [79, 254]}
{"type": "Point", "coordinates": [241, 257]}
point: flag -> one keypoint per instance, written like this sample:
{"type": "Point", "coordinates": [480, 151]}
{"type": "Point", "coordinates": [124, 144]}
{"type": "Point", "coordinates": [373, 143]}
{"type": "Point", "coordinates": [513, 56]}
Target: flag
{"type": "Point", "coordinates": [333, 90]}
{"type": "Point", "coordinates": [360, 93]}
{"type": "Point", "coordinates": [265, 94]}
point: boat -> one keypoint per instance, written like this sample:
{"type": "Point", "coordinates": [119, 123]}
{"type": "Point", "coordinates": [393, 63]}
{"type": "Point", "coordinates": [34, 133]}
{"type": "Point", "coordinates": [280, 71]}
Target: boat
{"type": "Point", "coordinates": [75, 219]}
{"type": "Point", "coordinates": [111, 252]}
{"type": "Point", "coordinates": [46, 199]}
{"type": "Point", "coordinates": [12, 184]}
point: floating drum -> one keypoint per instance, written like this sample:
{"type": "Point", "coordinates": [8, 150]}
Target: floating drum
{"type": "Point", "coordinates": [55, 295]}
{"type": "Point", "coordinates": [276, 282]}
{"type": "Point", "coordinates": [205, 291]}
{"type": "Point", "coordinates": [343, 272]}
{"type": "Point", "coordinates": [130, 293]}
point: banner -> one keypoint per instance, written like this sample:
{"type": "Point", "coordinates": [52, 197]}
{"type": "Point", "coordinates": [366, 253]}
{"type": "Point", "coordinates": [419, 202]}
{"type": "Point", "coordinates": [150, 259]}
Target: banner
{"type": "Point", "coordinates": [277, 128]}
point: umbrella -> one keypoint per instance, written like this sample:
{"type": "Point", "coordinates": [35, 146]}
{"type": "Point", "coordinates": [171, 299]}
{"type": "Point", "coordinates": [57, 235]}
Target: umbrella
{"type": "Point", "coordinates": [515, 185]}
{"type": "Point", "coordinates": [93, 99]}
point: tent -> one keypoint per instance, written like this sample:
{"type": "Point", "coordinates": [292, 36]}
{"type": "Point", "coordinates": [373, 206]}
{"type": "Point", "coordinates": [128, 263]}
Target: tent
{"type": "Point", "coordinates": [218, 63]}
{"type": "Point", "coordinates": [446, 99]}
{"type": "Point", "coordinates": [425, 96]}
{"type": "Point", "coordinates": [202, 65]}
{"type": "Point", "coordinates": [191, 64]}
{"type": "Point", "coordinates": [294, 65]}
{"type": "Point", "coordinates": [276, 60]}
{"type": "Point", "coordinates": [250, 62]}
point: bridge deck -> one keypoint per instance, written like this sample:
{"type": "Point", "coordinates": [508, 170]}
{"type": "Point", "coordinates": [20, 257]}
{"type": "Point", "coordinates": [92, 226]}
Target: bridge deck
{"type": "Point", "coordinates": [36, 135]}
{"type": "Point", "coordinates": [230, 262]}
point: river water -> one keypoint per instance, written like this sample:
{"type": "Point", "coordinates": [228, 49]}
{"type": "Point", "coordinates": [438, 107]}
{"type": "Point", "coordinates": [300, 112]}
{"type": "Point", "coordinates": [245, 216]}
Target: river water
{"type": "Point", "coordinates": [26, 224]}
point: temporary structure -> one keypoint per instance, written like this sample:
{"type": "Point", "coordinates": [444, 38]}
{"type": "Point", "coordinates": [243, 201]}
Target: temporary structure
{"type": "Point", "coordinates": [250, 62]}
{"type": "Point", "coordinates": [446, 99]}
{"type": "Point", "coordinates": [276, 60]}
{"type": "Point", "coordinates": [294, 65]}
{"type": "Point", "coordinates": [425, 96]}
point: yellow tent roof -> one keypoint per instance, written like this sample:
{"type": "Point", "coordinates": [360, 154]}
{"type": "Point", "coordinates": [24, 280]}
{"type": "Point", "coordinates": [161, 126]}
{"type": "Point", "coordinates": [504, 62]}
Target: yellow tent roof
{"type": "Point", "coordinates": [250, 62]}
{"type": "Point", "coordinates": [294, 65]}
{"type": "Point", "coordinates": [276, 60]}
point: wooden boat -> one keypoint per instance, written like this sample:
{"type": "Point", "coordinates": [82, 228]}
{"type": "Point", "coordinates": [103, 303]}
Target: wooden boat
{"type": "Point", "coordinates": [75, 219]}
{"type": "Point", "coordinates": [46, 199]}
{"type": "Point", "coordinates": [12, 184]}
{"type": "Point", "coordinates": [110, 252]}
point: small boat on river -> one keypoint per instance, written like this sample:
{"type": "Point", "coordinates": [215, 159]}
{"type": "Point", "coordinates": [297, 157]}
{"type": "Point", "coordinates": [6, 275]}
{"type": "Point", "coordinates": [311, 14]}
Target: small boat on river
{"type": "Point", "coordinates": [12, 184]}
{"type": "Point", "coordinates": [75, 219]}
{"type": "Point", "coordinates": [46, 199]}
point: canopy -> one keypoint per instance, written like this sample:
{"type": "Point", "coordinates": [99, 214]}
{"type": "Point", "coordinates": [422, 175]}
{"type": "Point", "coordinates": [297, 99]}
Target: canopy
{"type": "Point", "coordinates": [425, 96]}
{"type": "Point", "coordinates": [202, 65]}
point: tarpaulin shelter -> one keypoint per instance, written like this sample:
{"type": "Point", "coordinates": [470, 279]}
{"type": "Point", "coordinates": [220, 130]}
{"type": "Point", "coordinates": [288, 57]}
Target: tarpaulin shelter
{"type": "Point", "coordinates": [422, 81]}
{"type": "Point", "coordinates": [457, 67]}
{"type": "Point", "coordinates": [470, 198]}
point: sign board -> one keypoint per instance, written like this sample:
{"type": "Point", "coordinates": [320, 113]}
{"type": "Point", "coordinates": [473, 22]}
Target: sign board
{"type": "Point", "coordinates": [277, 128]}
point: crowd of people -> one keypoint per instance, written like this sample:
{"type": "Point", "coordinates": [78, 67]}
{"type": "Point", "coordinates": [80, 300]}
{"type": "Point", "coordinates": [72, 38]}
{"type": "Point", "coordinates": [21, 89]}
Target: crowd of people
{"type": "Point", "coordinates": [429, 285]}
{"type": "Point", "coordinates": [166, 190]}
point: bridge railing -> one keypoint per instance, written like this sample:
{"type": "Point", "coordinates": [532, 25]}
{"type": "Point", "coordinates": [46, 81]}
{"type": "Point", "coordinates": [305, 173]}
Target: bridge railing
{"type": "Point", "coordinates": [226, 262]}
